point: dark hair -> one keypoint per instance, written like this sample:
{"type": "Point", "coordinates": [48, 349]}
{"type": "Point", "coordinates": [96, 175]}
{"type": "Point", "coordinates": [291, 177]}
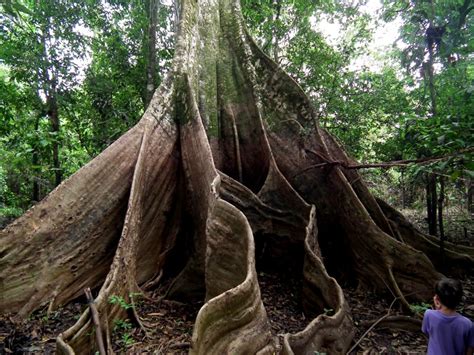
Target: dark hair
{"type": "Point", "coordinates": [449, 292]}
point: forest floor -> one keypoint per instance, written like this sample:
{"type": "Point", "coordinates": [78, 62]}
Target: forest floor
{"type": "Point", "coordinates": [458, 224]}
{"type": "Point", "coordinates": [171, 323]}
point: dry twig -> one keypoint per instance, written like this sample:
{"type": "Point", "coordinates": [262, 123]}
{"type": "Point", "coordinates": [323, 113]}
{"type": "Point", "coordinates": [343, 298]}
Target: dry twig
{"type": "Point", "coordinates": [390, 164]}
{"type": "Point", "coordinates": [373, 326]}
{"type": "Point", "coordinates": [96, 320]}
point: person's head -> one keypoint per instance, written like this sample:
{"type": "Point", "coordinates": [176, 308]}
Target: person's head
{"type": "Point", "coordinates": [449, 292]}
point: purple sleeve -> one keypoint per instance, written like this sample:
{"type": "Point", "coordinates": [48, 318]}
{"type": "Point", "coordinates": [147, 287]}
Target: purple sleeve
{"type": "Point", "coordinates": [471, 336]}
{"type": "Point", "coordinates": [425, 327]}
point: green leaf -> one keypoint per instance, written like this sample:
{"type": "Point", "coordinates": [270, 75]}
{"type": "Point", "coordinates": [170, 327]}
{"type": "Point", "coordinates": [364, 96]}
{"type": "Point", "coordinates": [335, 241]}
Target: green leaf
{"type": "Point", "coordinates": [455, 175]}
{"type": "Point", "coordinates": [21, 8]}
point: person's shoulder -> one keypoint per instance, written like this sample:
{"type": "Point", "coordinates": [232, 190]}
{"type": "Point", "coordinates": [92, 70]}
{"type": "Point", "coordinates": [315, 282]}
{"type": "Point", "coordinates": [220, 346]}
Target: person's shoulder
{"type": "Point", "coordinates": [466, 321]}
{"type": "Point", "coordinates": [430, 313]}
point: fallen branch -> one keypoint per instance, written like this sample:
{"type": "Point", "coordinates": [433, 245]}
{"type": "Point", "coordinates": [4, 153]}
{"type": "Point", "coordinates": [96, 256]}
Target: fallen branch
{"type": "Point", "coordinates": [398, 322]}
{"type": "Point", "coordinates": [96, 320]}
{"type": "Point", "coordinates": [395, 163]}
{"type": "Point", "coordinates": [398, 291]}
{"type": "Point", "coordinates": [373, 326]}
{"type": "Point", "coordinates": [420, 161]}
{"type": "Point", "coordinates": [107, 336]}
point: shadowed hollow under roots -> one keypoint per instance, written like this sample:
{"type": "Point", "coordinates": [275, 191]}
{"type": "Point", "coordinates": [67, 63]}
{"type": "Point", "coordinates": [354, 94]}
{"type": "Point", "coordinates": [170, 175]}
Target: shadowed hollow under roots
{"type": "Point", "coordinates": [218, 157]}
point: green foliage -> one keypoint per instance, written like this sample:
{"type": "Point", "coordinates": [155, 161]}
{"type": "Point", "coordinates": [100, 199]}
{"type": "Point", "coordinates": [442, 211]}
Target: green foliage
{"type": "Point", "coordinates": [381, 115]}
{"type": "Point", "coordinates": [95, 53]}
{"type": "Point", "coordinates": [119, 300]}
{"type": "Point", "coordinates": [127, 340]}
{"type": "Point", "coordinates": [420, 308]}
{"type": "Point", "coordinates": [122, 325]}
{"type": "Point", "coordinates": [92, 56]}
{"type": "Point", "coordinates": [122, 329]}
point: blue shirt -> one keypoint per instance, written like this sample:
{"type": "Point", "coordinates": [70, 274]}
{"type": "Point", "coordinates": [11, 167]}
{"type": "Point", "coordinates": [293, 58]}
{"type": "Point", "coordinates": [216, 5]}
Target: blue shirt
{"type": "Point", "coordinates": [448, 335]}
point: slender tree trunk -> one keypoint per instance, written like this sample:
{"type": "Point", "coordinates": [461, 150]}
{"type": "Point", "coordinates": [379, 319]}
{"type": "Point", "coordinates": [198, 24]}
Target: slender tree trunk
{"type": "Point", "coordinates": [35, 162]}
{"type": "Point", "coordinates": [402, 182]}
{"type": "Point", "coordinates": [431, 85]}
{"type": "Point", "coordinates": [55, 127]}
{"type": "Point", "coordinates": [176, 16]}
{"type": "Point", "coordinates": [434, 201]}
{"type": "Point", "coordinates": [276, 37]}
{"type": "Point", "coordinates": [49, 88]}
{"type": "Point", "coordinates": [431, 81]}
{"type": "Point", "coordinates": [431, 203]}
{"type": "Point", "coordinates": [152, 12]}
{"type": "Point", "coordinates": [470, 195]}
{"type": "Point", "coordinates": [440, 217]}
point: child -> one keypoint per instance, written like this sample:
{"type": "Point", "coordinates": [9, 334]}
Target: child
{"type": "Point", "coordinates": [448, 331]}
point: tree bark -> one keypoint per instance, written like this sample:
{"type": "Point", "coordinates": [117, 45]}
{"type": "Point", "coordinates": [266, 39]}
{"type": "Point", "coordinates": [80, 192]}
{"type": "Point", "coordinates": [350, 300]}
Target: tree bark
{"type": "Point", "coordinates": [151, 69]}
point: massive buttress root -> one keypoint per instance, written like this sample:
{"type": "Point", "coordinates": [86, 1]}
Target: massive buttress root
{"type": "Point", "coordinates": [219, 157]}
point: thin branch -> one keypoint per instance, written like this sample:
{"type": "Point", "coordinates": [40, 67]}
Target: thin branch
{"type": "Point", "coordinates": [398, 321]}
{"type": "Point", "coordinates": [421, 161]}
{"type": "Point", "coordinates": [96, 320]}
{"type": "Point", "coordinates": [398, 291]}
{"type": "Point", "coordinates": [373, 326]}
{"type": "Point", "coordinates": [107, 336]}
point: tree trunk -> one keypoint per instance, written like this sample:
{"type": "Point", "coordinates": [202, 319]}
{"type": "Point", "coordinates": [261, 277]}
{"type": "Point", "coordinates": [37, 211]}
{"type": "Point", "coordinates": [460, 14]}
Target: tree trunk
{"type": "Point", "coordinates": [275, 32]}
{"type": "Point", "coordinates": [49, 89]}
{"type": "Point", "coordinates": [176, 16]}
{"type": "Point", "coordinates": [55, 129]}
{"type": "Point", "coordinates": [431, 201]}
{"type": "Point", "coordinates": [440, 218]}
{"type": "Point", "coordinates": [151, 70]}
{"type": "Point", "coordinates": [470, 195]}
{"type": "Point", "coordinates": [403, 189]}
{"type": "Point", "coordinates": [431, 82]}
{"type": "Point", "coordinates": [172, 193]}
{"type": "Point", "coordinates": [35, 197]}
{"type": "Point", "coordinates": [431, 46]}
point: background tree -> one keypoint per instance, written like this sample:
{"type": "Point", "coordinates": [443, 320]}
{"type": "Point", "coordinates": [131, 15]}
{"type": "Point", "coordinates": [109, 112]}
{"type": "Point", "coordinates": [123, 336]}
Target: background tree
{"type": "Point", "coordinates": [89, 73]}
{"type": "Point", "coordinates": [438, 50]}
{"type": "Point", "coordinates": [40, 49]}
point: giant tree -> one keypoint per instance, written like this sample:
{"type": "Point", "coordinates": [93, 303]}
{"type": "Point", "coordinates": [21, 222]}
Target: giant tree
{"type": "Point", "coordinates": [198, 178]}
